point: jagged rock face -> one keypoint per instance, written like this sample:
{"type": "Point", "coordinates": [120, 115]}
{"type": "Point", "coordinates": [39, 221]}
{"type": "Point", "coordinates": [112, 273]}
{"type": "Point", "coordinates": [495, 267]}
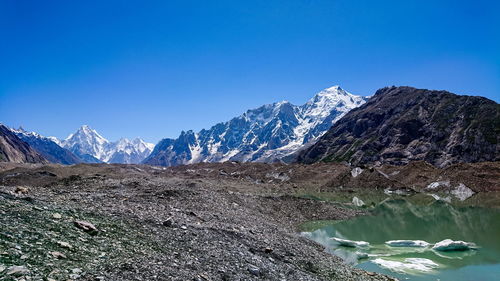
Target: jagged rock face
{"type": "Point", "coordinates": [93, 148]}
{"type": "Point", "coordinates": [265, 134]}
{"type": "Point", "coordinates": [13, 149]}
{"type": "Point", "coordinates": [48, 148]}
{"type": "Point", "coordinates": [402, 124]}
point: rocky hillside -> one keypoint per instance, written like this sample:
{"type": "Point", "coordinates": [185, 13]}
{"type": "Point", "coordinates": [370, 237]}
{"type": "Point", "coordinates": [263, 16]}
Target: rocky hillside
{"type": "Point", "coordinates": [402, 124]}
{"type": "Point", "coordinates": [264, 134]}
{"type": "Point", "coordinates": [48, 148]}
{"type": "Point", "coordinates": [13, 149]}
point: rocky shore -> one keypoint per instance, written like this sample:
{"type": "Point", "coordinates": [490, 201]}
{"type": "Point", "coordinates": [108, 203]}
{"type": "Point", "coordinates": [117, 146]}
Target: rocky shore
{"type": "Point", "coordinates": [227, 221]}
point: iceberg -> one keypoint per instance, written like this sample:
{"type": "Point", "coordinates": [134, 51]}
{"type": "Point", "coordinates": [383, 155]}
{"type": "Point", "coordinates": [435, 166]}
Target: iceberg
{"type": "Point", "coordinates": [409, 265]}
{"type": "Point", "coordinates": [407, 243]}
{"type": "Point", "coordinates": [350, 243]}
{"type": "Point", "coordinates": [361, 255]}
{"type": "Point", "coordinates": [450, 245]}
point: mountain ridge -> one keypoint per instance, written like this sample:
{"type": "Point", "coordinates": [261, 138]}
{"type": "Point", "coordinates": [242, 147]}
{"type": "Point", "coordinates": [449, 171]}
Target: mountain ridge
{"type": "Point", "coordinates": [89, 145]}
{"type": "Point", "coordinates": [402, 124]}
{"type": "Point", "coordinates": [267, 133]}
{"type": "Point", "coordinates": [47, 147]}
{"type": "Point", "coordinates": [13, 149]}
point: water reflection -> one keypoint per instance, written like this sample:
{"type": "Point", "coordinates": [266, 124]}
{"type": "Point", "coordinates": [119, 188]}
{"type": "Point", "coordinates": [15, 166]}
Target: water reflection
{"type": "Point", "coordinates": [402, 220]}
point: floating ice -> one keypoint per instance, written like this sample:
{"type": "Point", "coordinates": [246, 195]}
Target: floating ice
{"type": "Point", "coordinates": [450, 245]}
{"type": "Point", "coordinates": [409, 265]}
{"type": "Point", "coordinates": [361, 255]}
{"type": "Point", "coordinates": [407, 243]}
{"type": "Point", "coordinates": [350, 243]}
{"type": "Point", "coordinates": [357, 202]}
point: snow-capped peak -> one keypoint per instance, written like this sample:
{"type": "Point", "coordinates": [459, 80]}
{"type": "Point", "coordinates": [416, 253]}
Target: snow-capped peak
{"type": "Point", "coordinates": [87, 141]}
{"type": "Point", "coordinates": [266, 133]}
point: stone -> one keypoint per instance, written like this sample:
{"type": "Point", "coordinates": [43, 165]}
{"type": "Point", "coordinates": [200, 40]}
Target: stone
{"type": "Point", "coordinates": [254, 270]}
{"type": "Point", "coordinates": [17, 270]}
{"type": "Point", "coordinates": [64, 244]}
{"type": "Point", "coordinates": [86, 226]}
{"type": "Point", "coordinates": [56, 216]}
{"type": "Point", "coordinates": [58, 255]}
{"type": "Point", "coordinates": [168, 222]}
{"type": "Point", "coordinates": [21, 190]}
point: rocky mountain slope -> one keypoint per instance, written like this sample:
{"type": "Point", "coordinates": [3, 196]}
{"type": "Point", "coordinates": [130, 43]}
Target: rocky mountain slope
{"type": "Point", "coordinates": [402, 124]}
{"type": "Point", "coordinates": [13, 149]}
{"type": "Point", "coordinates": [267, 133]}
{"type": "Point", "coordinates": [47, 147]}
{"type": "Point", "coordinates": [93, 148]}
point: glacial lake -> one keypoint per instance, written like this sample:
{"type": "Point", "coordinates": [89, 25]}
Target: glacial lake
{"type": "Point", "coordinates": [434, 221]}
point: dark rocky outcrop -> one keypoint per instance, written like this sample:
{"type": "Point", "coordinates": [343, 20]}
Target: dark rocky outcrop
{"type": "Point", "coordinates": [13, 149]}
{"type": "Point", "coordinates": [402, 124]}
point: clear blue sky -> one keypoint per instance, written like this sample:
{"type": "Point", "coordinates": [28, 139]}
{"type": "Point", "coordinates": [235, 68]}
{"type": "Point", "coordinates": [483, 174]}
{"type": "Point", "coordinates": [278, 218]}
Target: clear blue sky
{"type": "Point", "coordinates": [154, 68]}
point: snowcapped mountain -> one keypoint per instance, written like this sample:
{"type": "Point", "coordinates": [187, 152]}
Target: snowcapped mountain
{"type": "Point", "coordinates": [47, 147]}
{"type": "Point", "coordinates": [93, 148]}
{"type": "Point", "coordinates": [268, 133]}
{"type": "Point", "coordinates": [126, 151]}
{"type": "Point", "coordinates": [87, 144]}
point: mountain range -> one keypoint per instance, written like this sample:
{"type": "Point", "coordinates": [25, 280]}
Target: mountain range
{"type": "Point", "coordinates": [13, 149]}
{"type": "Point", "coordinates": [47, 147]}
{"type": "Point", "coordinates": [83, 146]}
{"type": "Point", "coordinates": [397, 125]}
{"type": "Point", "coordinates": [93, 148]}
{"type": "Point", "coordinates": [265, 134]}
{"type": "Point", "coordinates": [402, 124]}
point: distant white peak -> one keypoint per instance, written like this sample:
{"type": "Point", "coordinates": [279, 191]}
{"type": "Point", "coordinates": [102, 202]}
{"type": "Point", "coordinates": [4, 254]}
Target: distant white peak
{"type": "Point", "coordinates": [85, 130]}
{"type": "Point", "coordinates": [22, 131]}
{"type": "Point", "coordinates": [283, 102]}
{"type": "Point", "coordinates": [335, 88]}
{"type": "Point", "coordinates": [56, 140]}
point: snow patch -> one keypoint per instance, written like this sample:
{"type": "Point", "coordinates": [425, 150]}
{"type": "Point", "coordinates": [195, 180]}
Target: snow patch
{"type": "Point", "coordinates": [357, 202]}
{"type": "Point", "coordinates": [437, 184]}
{"type": "Point", "coordinates": [462, 192]}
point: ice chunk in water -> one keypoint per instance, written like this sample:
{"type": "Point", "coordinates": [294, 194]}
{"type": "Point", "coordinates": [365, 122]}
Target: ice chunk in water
{"type": "Point", "coordinates": [350, 243]}
{"type": "Point", "coordinates": [408, 265]}
{"type": "Point", "coordinates": [450, 245]}
{"type": "Point", "coordinates": [407, 243]}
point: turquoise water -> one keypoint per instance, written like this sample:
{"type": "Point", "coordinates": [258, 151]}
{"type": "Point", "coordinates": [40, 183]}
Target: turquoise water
{"type": "Point", "coordinates": [402, 220]}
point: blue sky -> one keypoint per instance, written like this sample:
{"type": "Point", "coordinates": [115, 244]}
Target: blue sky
{"type": "Point", "coordinates": [154, 68]}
